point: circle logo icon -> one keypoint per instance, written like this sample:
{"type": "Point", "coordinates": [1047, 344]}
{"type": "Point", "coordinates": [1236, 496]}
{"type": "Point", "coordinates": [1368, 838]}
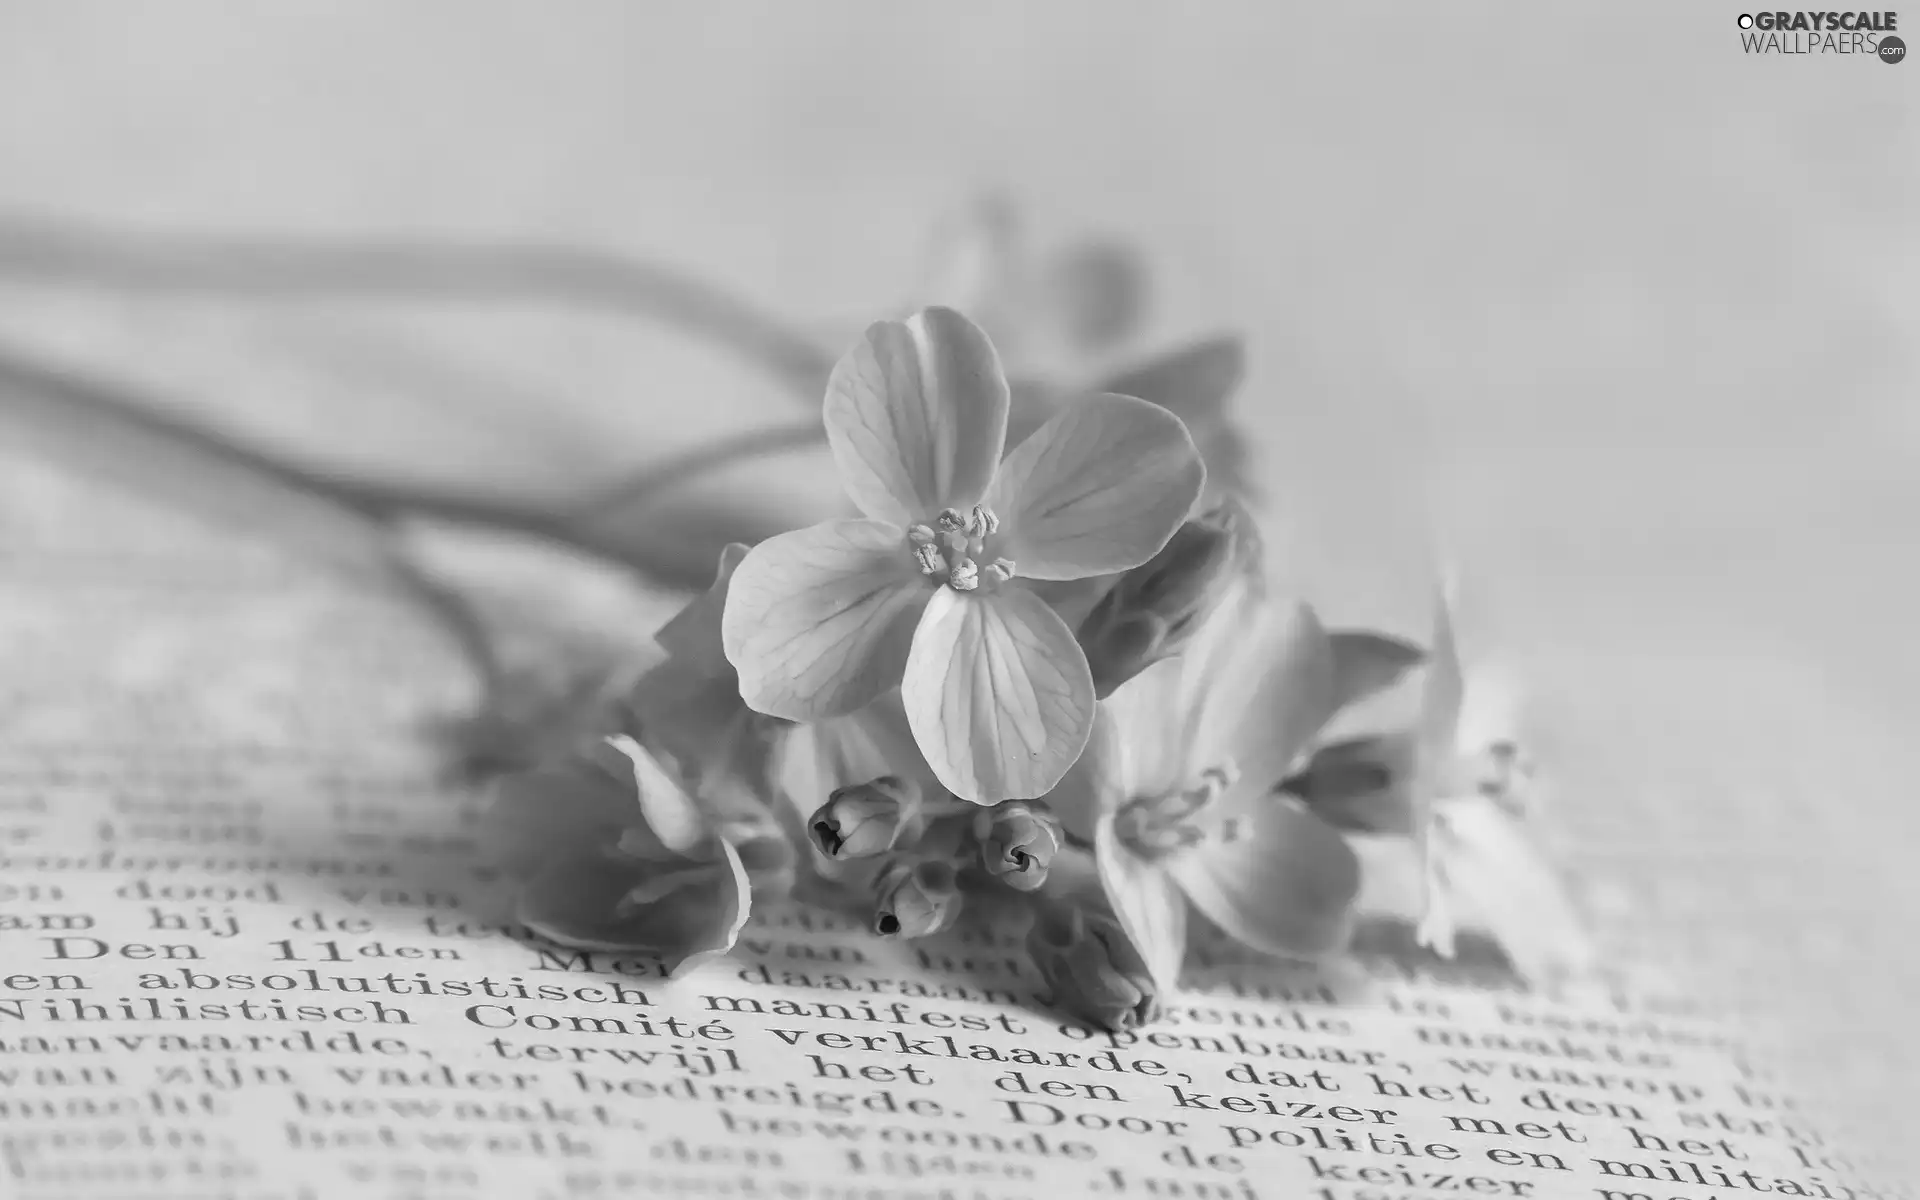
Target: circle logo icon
{"type": "Point", "coordinates": [1746, 20]}
{"type": "Point", "coordinates": [1892, 49]}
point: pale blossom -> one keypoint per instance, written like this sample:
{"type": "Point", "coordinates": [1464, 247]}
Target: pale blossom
{"type": "Point", "coordinates": [1177, 791]}
{"type": "Point", "coordinates": [656, 836]}
{"type": "Point", "coordinates": [629, 861]}
{"type": "Point", "coordinates": [1458, 785]}
{"type": "Point", "coordinates": [928, 591]}
{"type": "Point", "coordinates": [1482, 860]}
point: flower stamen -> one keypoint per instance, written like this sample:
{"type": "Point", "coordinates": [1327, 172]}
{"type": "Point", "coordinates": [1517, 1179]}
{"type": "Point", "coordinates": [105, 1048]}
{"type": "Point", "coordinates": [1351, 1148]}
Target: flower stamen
{"type": "Point", "coordinates": [1157, 826]}
{"type": "Point", "coordinates": [929, 559]}
{"type": "Point", "coordinates": [955, 546]}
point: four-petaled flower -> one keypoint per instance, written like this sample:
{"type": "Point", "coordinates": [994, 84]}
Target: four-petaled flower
{"type": "Point", "coordinates": [1176, 790]}
{"type": "Point", "coordinates": [928, 591]}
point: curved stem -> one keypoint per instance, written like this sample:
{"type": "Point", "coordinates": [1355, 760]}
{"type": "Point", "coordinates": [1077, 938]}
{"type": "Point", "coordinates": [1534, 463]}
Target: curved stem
{"type": "Point", "coordinates": [54, 252]}
{"type": "Point", "coordinates": [131, 442]}
{"type": "Point", "coordinates": [130, 437]}
{"type": "Point", "coordinates": [661, 476]}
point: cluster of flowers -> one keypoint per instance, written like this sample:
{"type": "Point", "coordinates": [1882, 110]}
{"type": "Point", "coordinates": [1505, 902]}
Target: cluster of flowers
{"type": "Point", "coordinates": [1046, 681]}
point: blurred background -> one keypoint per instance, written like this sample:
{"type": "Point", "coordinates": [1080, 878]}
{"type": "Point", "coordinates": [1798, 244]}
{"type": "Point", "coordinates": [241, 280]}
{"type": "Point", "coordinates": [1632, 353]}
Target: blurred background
{"type": "Point", "coordinates": [1623, 314]}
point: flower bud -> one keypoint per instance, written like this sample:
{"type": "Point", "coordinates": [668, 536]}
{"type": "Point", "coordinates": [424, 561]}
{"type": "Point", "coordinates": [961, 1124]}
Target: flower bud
{"type": "Point", "coordinates": [1092, 967]}
{"type": "Point", "coordinates": [1018, 840]}
{"type": "Point", "coordinates": [1154, 609]}
{"type": "Point", "coordinates": [916, 898]}
{"type": "Point", "coordinates": [865, 819]}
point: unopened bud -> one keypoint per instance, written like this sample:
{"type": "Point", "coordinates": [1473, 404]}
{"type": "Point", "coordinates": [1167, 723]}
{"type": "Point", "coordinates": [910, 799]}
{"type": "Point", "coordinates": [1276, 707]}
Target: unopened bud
{"type": "Point", "coordinates": [1092, 967]}
{"type": "Point", "coordinates": [1018, 840]}
{"type": "Point", "coordinates": [863, 820]}
{"type": "Point", "coordinates": [1153, 610]}
{"type": "Point", "coordinates": [916, 898]}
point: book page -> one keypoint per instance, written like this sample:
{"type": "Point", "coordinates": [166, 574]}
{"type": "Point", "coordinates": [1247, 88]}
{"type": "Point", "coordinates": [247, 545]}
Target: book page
{"type": "Point", "coordinates": [249, 948]}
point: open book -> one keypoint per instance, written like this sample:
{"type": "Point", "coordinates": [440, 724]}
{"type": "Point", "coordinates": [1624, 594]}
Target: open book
{"type": "Point", "coordinates": [247, 949]}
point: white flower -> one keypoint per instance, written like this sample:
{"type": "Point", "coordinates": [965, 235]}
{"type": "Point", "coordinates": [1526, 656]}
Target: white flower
{"type": "Point", "coordinates": [929, 591]}
{"type": "Point", "coordinates": [1177, 788]}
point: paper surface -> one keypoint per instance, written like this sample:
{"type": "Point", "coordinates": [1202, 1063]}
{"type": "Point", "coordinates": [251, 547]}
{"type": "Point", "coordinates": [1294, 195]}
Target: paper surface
{"type": "Point", "coordinates": [247, 949]}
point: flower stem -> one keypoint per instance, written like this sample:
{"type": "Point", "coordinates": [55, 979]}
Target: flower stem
{"type": "Point", "coordinates": [354, 525]}
{"type": "Point", "coordinates": [130, 441]}
{"type": "Point", "coordinates": [662, 475]}
{"type": "Point", "coordinates": [52, 252]}
{"type": "Point", "coordinates": [131, 438]}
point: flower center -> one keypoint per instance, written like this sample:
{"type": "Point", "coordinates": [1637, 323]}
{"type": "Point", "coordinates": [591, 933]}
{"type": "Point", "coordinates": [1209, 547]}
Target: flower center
{"type": "Point", "coordinates": [1157, 826]}
{"type": "Point", "coordinates": [954, 546]}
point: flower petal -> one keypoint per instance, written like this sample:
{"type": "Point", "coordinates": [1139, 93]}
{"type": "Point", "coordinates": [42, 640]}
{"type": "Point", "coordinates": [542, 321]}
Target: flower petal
{"type": "Point", "coordinates": [916, 416]}
{"type": "Point", "coordinates": [734, 905]}
{"type": "Point", "coordinates": [577, 902]}
{"type": "Point", "coordinates": [819, 757]}
{"type": "Point", "coordinates": [1287, 691]}
{"type": "Point", "coordinates": [818, 621]}
{"type": "Point", "coordinates": [1442, 692]}
{"type": "Point", "coordinates": [1096, 784]}
{"type": "Point", "coordinates": [555, 811]}
{"type": "Point", "coordinates": [1491, 701]}
{"type": "Point", "coordinates": [1369, 662]}
{"type": "Point", "coordinates": [667, 810]}
{"type": "Point", "coordinates": [997, 693]}
{"type": "Point", "coordinates": [685, 714]}
{"type": "Point", "coordinates": [1284, 883]}
{"type": "Point", "coordinates": [1507, 886]}
{"type": "Point", "coordinates": [1099, 488]}
{"type": "Point", "coordinates": [1152, 715]}
{"type": "Point", "coordinates": [693, 633]}
{"type": "Point", "coordinates": [1193, 383]}
{"type": "Point", "coordinates": [1149, 905]}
